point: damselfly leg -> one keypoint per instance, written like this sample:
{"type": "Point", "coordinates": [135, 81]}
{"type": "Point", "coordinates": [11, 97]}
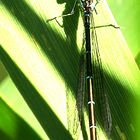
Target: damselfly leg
{"type": "Point", "coordinates": [65, 15]}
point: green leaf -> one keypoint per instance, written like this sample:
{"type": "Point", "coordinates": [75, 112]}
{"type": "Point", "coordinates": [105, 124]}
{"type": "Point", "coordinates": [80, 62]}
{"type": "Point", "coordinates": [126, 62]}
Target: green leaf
{"type": "Point", "coordinates": [43, 62]}
{"type": "Point", "coordinates": [12, 126]}
{"type": "Point", "coordinates": [129, 23]}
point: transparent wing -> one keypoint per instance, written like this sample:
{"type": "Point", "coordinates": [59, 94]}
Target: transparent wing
{"type": "Point", "coordinates": [75, 109]}
{"type": "Point", "coordinates": [98, 84]}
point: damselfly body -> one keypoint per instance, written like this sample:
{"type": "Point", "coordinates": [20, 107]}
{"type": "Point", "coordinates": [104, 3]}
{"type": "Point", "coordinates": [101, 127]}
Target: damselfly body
{"type": "Point", "coordinates": [94, 78]}
{"type": "Point", "coordinates": [94, 73]}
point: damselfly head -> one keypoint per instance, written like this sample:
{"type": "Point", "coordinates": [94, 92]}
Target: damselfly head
{"type": "Point", "coordinates": [88, 6]}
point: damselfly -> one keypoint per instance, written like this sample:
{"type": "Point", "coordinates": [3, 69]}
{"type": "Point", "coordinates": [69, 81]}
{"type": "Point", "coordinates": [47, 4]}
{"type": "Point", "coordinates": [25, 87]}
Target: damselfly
{"type": "Point", "coordinates": [93, 75]}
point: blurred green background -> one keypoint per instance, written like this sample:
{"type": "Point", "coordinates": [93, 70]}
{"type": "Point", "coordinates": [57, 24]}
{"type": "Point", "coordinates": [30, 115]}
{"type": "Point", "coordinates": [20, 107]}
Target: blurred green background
{"type": "Point", "coordinates": [126, 13]}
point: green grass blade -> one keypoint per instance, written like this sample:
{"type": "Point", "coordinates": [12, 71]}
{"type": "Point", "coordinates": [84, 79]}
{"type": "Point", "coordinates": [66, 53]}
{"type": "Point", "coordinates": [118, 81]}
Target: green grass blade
{"type": "Point", "coordinates": [37, 104]}
{"type": "Point", "coordinates": [12, 126]}
{"type": "Point", "coordinates": [43, 61]}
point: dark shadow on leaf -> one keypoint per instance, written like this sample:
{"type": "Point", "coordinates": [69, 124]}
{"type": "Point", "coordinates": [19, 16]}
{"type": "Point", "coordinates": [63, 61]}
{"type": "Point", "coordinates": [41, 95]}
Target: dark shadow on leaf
{"type": "Point", "coordinates": [3, 73]}
{"type": "Point", "coordinates": [121, 104]}
{"type": "Point", "coordinates": [12, 121]}
{"type": "Point", "coordinates": [65, 57]}
{"type": "Point", "coordinates": [47, 118]}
